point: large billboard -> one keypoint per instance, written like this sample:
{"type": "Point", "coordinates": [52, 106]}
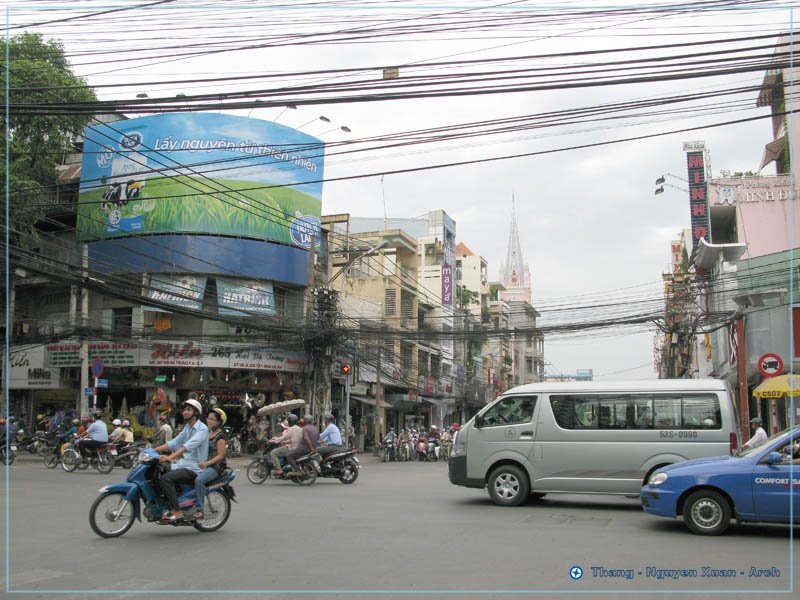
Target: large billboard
{"type": "Point", "coordinates": [200, 173]}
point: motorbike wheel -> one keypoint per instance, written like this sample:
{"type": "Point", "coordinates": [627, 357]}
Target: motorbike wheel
{"type": "Point", "coordinates": [349, 472]}
{"type": "Point", "coordinates": [257, 471]}
{"type": "Point", "coordinates": [216, 510]}
{"type": "Point", "coordinates": [309, 475]}
{"type": "Point", "coordinates": [7, 458]}
{"type": "Point", "coordinates": [70, 460]}
{"type": "Point", "coordinates": [51, 460]}
{"type": "Point", "coordinates": [105, 463]}
{"type": "Point", "coordinates": [42, 449]}
{"type": "Point", "coordinates": [111, 515]}
{"type": "Point", "coordinates": [125, 463]}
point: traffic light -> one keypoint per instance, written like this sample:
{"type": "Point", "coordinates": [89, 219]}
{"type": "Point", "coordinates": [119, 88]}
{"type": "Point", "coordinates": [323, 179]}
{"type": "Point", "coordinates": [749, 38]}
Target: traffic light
{"type": "Point", "coordinates": [345, 369]}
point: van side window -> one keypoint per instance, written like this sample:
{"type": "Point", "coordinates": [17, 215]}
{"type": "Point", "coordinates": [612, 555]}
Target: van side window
{"type": "Point", "coordinates": [637, 411]}
{"type": "Point", "coordinates": [511, 410]}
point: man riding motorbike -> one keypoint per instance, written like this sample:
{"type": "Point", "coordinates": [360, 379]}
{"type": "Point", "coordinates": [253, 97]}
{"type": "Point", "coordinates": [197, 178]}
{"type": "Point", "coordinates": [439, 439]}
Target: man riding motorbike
{"type": "Point", "coordinates": [191, 447]}
{"type": "Point", "coordinates": [95, 435]}
{"type": "Point", "coordinates": [331, 438]}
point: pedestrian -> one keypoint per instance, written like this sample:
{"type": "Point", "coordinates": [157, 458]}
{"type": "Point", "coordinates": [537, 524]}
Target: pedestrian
{"type": "Point", "coordinates": [759, 435]}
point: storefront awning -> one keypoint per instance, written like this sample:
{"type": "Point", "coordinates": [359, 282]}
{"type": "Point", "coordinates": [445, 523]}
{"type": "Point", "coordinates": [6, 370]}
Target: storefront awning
{"type": "Point", "coordinates": [772, 151]}
{"type": "Point", "coordinates": [370, 401]}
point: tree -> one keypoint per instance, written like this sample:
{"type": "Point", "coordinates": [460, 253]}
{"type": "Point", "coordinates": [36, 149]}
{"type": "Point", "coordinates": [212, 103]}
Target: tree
{"type": "Point", "coordinates": [38, 73]}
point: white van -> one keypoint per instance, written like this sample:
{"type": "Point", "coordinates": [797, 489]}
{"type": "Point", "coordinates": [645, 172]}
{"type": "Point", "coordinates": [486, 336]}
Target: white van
{"type": "Point", "coordinates": [590, 437]}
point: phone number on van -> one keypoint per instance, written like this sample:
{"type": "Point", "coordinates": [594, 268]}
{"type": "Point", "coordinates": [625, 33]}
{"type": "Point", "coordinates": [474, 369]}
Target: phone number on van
{"type": "Point", "coordinates": [678, 434]}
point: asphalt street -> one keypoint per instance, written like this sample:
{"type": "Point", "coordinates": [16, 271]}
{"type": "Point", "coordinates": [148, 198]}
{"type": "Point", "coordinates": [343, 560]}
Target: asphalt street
{"type": "Point", "coordinates": [401, 530]}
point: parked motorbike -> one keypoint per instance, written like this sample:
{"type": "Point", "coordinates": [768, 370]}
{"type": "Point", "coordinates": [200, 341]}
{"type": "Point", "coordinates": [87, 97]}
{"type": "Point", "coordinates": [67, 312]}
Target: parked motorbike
{"type": "Point", "coordinates": [28, 443]}
{"type": "Point", "coordinates": [389, 451]}
{"type": "Point", "coordinates": [342, 465]}
{"type": "Point", "coordinates": [114, 510]}
{"type": "Point", "coordinates": [100, 458]}
{"type": "Point", "coordinates": [260, 469]}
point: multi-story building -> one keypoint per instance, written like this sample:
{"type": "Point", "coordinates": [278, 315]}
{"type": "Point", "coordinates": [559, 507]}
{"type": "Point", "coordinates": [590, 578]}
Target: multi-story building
{"type": "Point", "coordinates": [177, 282]}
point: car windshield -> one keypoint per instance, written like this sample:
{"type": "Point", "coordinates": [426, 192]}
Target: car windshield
{"type": "Point", "coordinates": [769, 441]}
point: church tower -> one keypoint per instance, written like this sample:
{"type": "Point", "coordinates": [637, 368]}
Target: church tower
{"type": "Point", "coordinates": [514, 273]}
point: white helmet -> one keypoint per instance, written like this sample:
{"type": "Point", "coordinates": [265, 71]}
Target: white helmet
{"type": "Point", "coordinates": [434, 427]}
{"type": "Point", "coordinates": [194, 403]}
{"type": "Point", "coordinates": [116, 422]}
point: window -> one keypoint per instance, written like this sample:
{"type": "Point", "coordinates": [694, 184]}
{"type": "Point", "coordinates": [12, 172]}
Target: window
{"type": "Point", "coordinates": [512, 410]}
{"type": "Point", "coordinates": [390, 302]}
{"type": "Point", "coordinates": [637, 411]}
{"type": "Point", "coordinates": [122, 321]}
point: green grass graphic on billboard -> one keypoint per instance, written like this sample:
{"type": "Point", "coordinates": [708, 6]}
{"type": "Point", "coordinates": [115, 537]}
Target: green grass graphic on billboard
{"type": "Point", "coordinates": [200, 173]}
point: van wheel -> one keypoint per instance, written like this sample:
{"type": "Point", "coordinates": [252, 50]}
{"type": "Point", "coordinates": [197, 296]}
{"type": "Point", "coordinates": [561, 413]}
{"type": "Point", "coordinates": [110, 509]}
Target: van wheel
{"type": "Point", "coordinates": [707, 512]}
{"type": "Point", "coordinates": [508, 486]}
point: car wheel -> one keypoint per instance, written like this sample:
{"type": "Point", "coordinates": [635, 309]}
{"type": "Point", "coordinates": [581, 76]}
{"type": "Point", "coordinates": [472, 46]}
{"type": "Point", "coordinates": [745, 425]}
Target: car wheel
{"type": "Point", "coordinates": [707, 512]}
{"type": "Point", "coordinates": [508, 486]}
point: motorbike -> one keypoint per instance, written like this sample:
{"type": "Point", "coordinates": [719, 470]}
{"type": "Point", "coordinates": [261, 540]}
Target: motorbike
{"type": "Point", "coordinates": [422, 447]}
{"type": "Point", "coordinates": [404, 451]}
{"type": "Point", "coordinates": [100, 458]}
{"type": "Point", "coordinates": [234, 445]}
{"type": "Point", "coordinates": [342, 465]}
{"type": "Point", "coordinates": [260, 469]}
{"type": "Point", "coordinates": [125, 454]}
{"type": "Point", "coordinates": [389, 451]}
{"type": "Point", "coordinates": [8, 453]}
{"type": "Point", "coordinates": [119, 504]}
{"type": "Point", "coordinates": [431, 451]}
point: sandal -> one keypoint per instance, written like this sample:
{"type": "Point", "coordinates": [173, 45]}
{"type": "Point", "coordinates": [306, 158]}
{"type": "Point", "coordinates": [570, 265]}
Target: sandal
{"type": "Point", "coordinates": [172, 518]}
{"type": "Point", "coordinates": [198, 515]}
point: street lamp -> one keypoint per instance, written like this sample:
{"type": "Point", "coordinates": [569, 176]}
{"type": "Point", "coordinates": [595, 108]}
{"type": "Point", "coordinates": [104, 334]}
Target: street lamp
{"type": "Point", "coordinates": [662, 181]}
{"type": "Point", "coordinates": [322, 118]}
{"type": "Point", "coordinates": [285, 108]}
{"type": "Point", "coordinates": [344, 128]}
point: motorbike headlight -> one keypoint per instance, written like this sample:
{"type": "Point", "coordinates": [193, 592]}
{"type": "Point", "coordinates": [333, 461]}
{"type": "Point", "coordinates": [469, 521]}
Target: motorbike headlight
{"type": "Point", "coordinates": [657, 478]}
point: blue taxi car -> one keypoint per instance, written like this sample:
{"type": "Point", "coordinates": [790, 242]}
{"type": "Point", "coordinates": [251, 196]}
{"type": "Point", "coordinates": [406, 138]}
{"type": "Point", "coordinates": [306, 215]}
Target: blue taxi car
{"type": "Point", "coordinates": [760, 485]}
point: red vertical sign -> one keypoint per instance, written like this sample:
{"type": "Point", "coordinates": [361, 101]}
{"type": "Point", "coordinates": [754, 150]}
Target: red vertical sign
{"type": "Point", "coordinates": [698, 197]}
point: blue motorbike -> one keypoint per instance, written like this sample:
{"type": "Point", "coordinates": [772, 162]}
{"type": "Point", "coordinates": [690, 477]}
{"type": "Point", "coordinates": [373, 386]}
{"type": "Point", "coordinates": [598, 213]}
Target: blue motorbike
{"type": "Point", "coordinates": [118, 504]}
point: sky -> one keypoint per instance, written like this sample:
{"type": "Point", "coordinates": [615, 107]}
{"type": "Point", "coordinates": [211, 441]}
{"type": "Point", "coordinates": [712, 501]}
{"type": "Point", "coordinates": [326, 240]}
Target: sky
{"type": "Point", "coordinates": [590, 225]}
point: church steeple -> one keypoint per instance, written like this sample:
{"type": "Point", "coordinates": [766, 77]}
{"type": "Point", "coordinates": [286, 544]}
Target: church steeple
{"type": "Point", "coordinates": [515, 274]}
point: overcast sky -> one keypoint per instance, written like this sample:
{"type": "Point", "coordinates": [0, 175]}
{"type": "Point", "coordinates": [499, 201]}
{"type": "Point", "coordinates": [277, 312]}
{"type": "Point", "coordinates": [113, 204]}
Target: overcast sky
{"type": "Point", "coordinates": [590, 225]}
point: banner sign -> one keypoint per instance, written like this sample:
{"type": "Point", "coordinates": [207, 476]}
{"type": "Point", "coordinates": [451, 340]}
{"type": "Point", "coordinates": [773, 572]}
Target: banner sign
{"type": "Point", "coordinates": [201, 173]}
{"type": "Point", "coordinates": [245, 298]}
{"type": "Point", "coordinates": [186, 291]}
{"type": "Point", "coordinates": [698, 197]}
{"type": "Point", "coordinates": [176, 354]}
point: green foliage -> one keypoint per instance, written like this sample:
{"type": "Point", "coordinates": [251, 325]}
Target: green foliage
{"type": "Point", "coordinates": [38, 74]}
{"type": "Point", "coordinates": [466, 297]}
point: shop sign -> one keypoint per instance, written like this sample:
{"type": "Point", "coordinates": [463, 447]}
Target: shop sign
{"type": "Point", "coordinates": [28, 371]}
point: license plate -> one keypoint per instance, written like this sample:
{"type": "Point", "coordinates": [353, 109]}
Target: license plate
{"type": "Point", "coordinates": [114, 451]}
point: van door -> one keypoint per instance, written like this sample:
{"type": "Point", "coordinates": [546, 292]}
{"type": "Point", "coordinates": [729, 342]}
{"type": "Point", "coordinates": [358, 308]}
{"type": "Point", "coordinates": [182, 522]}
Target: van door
{"type": "Point", "coordinates": [506, 430]}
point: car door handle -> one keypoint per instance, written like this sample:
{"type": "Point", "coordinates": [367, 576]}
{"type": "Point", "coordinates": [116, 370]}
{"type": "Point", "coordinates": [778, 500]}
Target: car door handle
{"type": "Point", "coordinates": [526, 434]}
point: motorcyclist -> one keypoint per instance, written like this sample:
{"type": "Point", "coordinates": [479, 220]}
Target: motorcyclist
{"type": "Point", "coordinates": [308, 443]}
{"type": "Point", "coordinates": [165, 430]}
{"type": "Point", "coordinates": [95, 435]}
{"type": "Point", "coordinates": [13, 427]}
{"type": "Point", "coordinates": [388, 442]}
{"type": "Point", "coordinates": [215, 464]}
{"type": "Point", "coordinates": [404, 441]}
{"type": "Point", "coordinates": [291, 438]}
{"type": "Point", "coordinates": [127, 432]}
{"type": "Point", "coordinates": [116, 435]}
{"type": "Point", "coordinates": [434, 436]}
{"type": "Point", "coordinates": [191, 447]}
{"type": "Point", "coordinates": [330, 438]}
{"type": "Point", "coordinates": [82, 427]}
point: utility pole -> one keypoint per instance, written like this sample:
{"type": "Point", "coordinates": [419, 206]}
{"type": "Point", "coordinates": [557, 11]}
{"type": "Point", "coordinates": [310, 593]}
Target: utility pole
{"type": "Point", "coordinates": [378, 393]}
{"type": "Point", "coordinates": [83, 400]}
